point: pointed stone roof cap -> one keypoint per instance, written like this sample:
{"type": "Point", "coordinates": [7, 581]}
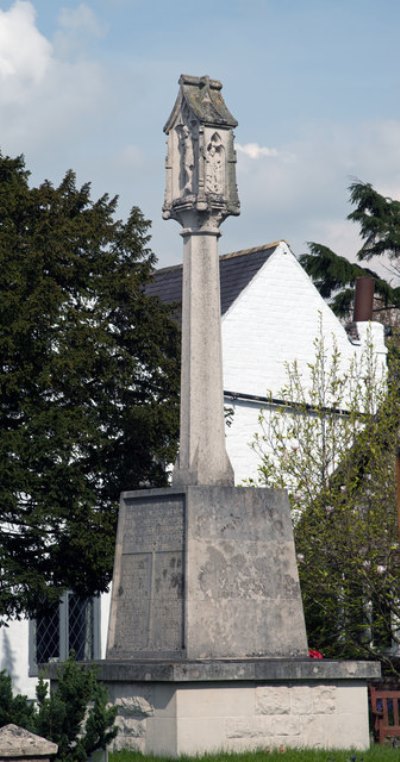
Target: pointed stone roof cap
{"type": "Point", "coordinates": [204, 100]}
{"type": "Point", "coordinates": [18, 742]}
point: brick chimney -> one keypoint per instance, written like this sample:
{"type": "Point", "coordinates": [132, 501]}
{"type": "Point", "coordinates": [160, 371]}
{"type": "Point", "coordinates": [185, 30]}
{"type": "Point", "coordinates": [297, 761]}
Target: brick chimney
{"type": "Point", "coordinates": [364, 299]}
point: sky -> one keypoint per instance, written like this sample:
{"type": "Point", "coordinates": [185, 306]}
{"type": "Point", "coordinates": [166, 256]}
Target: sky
{"type": "Point", "coordinates": [314, 85]}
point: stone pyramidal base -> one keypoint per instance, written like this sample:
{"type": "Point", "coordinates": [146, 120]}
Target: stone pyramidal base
{"type": "Point", "coordinates": [207, 647]}
{"type": "Point", "coordinates": [205, 572]}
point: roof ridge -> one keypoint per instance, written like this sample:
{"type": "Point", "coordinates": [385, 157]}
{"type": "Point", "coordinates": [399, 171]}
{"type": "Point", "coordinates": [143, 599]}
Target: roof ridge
{"type": "Point", "coordinates": [168, 267]}
{"type": "Point", "coordinates": [253, 250]}
{"type": "Point", "coordinates": [230, 255]}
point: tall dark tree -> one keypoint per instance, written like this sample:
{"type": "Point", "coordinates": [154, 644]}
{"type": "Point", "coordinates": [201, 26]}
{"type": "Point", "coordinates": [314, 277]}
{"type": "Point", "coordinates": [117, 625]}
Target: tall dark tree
{"type": "Point", "coordinates": [88, 384]}
{"type": "Point", "coordinates": [334, 276]}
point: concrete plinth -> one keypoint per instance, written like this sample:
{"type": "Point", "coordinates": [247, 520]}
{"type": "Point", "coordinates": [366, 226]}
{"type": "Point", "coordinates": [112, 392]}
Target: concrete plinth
{"type": "Point", "coordinates": [205, 572]}
{"type": "Point", "coordinates": [174, 708]}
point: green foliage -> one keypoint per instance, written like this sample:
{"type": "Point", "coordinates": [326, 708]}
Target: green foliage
{"type": "Point", "coordinates": [328, 270]}
{"type": "Point", "coordinates": [14, 709]}
{"type": "Point", "coordinates": [379, 220]}
{"type": "Point", "coordinates": [334, 275]}
{"type": "Point", "coordinates": [88, 384]}
{"type": "Point", "coordinates": [334, 451]}
{"type": "Point", "coordinates": [75, 716]}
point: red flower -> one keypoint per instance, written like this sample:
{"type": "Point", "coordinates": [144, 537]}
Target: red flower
{"type": "Point", "coordinates": [313, 654]}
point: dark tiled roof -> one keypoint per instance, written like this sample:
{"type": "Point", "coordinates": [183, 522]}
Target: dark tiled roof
{"type": "Point", "coordinates": [236, 270]}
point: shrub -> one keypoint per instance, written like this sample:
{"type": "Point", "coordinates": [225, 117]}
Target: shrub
{"type": "Point", "coordinates": [75, 716]}
{"type": "Point", "coordinates": [16, 709]}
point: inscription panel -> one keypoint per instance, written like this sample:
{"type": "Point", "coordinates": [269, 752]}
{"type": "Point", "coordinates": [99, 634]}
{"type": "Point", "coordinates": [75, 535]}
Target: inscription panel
{"type": "Point", "coordinates": [133, 612]}
{"type": "Point", "coordinates": [153, 527]}
{"type": "Point", "coordinates": [167, 601]}
{"type": "Point", "coordinates": [150, 598]}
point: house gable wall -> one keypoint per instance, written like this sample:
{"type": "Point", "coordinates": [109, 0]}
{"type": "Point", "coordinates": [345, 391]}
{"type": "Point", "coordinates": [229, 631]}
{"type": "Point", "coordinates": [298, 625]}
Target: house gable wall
{"type": "Point", "coordinates": [275, 320]}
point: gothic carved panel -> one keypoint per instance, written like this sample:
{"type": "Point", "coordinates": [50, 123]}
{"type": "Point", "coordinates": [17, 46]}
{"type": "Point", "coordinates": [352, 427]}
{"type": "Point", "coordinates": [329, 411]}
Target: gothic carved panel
{"type": "Point", "coordinates": [200, 166]}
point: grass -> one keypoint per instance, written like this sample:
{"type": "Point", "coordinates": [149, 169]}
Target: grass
{"type": "Point", "coordinates": [375, 754]}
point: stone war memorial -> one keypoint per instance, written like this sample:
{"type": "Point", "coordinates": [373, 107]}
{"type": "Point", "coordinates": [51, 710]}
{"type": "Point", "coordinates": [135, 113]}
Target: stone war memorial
{"type": "Point", "coordinates": [207, 647]}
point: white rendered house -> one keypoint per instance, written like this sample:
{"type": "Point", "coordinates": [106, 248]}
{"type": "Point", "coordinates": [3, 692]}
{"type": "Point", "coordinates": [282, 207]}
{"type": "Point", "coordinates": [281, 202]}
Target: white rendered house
{"type": "Point", "coordinates": [271, 314]}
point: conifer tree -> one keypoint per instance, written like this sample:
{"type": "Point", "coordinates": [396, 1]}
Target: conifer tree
{"type": "Point", "coordinates": [334, 276]}
{"type": "Point", "coordinates": [88, 384]}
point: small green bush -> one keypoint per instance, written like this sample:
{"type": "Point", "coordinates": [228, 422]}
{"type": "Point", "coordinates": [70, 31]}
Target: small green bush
{"type": "Point", "coordinates": [16, 709]}
{"type": "Point", "coordinates": [75, 716]}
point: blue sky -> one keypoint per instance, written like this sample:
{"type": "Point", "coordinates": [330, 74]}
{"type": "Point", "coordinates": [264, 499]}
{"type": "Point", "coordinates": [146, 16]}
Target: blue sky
{"type": "Point", "coordinates": [314, 85]}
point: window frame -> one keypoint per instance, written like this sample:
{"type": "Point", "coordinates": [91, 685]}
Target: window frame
{"type": "Point", "coordinates": [63, 618]}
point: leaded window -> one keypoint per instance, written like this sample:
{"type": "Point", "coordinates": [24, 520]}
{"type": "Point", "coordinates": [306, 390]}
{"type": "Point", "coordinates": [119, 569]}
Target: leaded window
{"type": "Point", "coordinates": [73, 625]}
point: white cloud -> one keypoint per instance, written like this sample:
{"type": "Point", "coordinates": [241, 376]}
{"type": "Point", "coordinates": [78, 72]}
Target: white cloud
{"type": "Point", "coordinates": [254, 151]}
{"type": "Point", "coordinates": [76, 27]}
{"type": "Point", "coordinates": [306, 198]}
{"type": "Point", "coordinates": [25, 54]}
{"type": "Point", "coordinates": [46, 94]}
{"type": "Point", "coordinates": [81, 18]}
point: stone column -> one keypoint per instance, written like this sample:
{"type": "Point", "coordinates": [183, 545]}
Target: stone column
{"type": "Point", "coordinates": [200, 193]}
{"type": "Point", "coordinates": [202, 458]}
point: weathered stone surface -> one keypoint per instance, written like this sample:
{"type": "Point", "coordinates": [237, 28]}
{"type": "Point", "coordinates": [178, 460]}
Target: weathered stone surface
{"type": "Point", "coordinates": [131, 728]}
{"type": "Point", "coordinates": [301, 699]}
{"type": "Point", "coordinates": [200, 164]}
{"type": "Point", "coordinates": [273, 700]}
{"type": "Point", "coordinates": [261, 670]}
{"type": "Point", "coordinates": [128, 742]}
{"type": "Point", "coordinates": [263, 727]}
{"type": "Point", "coordinates": [20, 743]}
{"type": "Point", "coordinates": [147, 604]}
{"type": "Point", "coordinates": [204, 714]}
{"type": "Point", "coordinates": [200, 193]}
{"type": "Point", "coordinates": [243, 594]}
{"type": "Point", "coordinates": [324, 699]}
{"type": "Point", "coordinates": [134, 706]}
{"type": "Point", "coordinates": [202, 457]}
{"type": "Point", "coordinates": [206, 572]}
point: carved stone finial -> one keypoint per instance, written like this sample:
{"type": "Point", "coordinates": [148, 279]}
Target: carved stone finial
{"type": "Point", "coordinates": [201, 185]}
